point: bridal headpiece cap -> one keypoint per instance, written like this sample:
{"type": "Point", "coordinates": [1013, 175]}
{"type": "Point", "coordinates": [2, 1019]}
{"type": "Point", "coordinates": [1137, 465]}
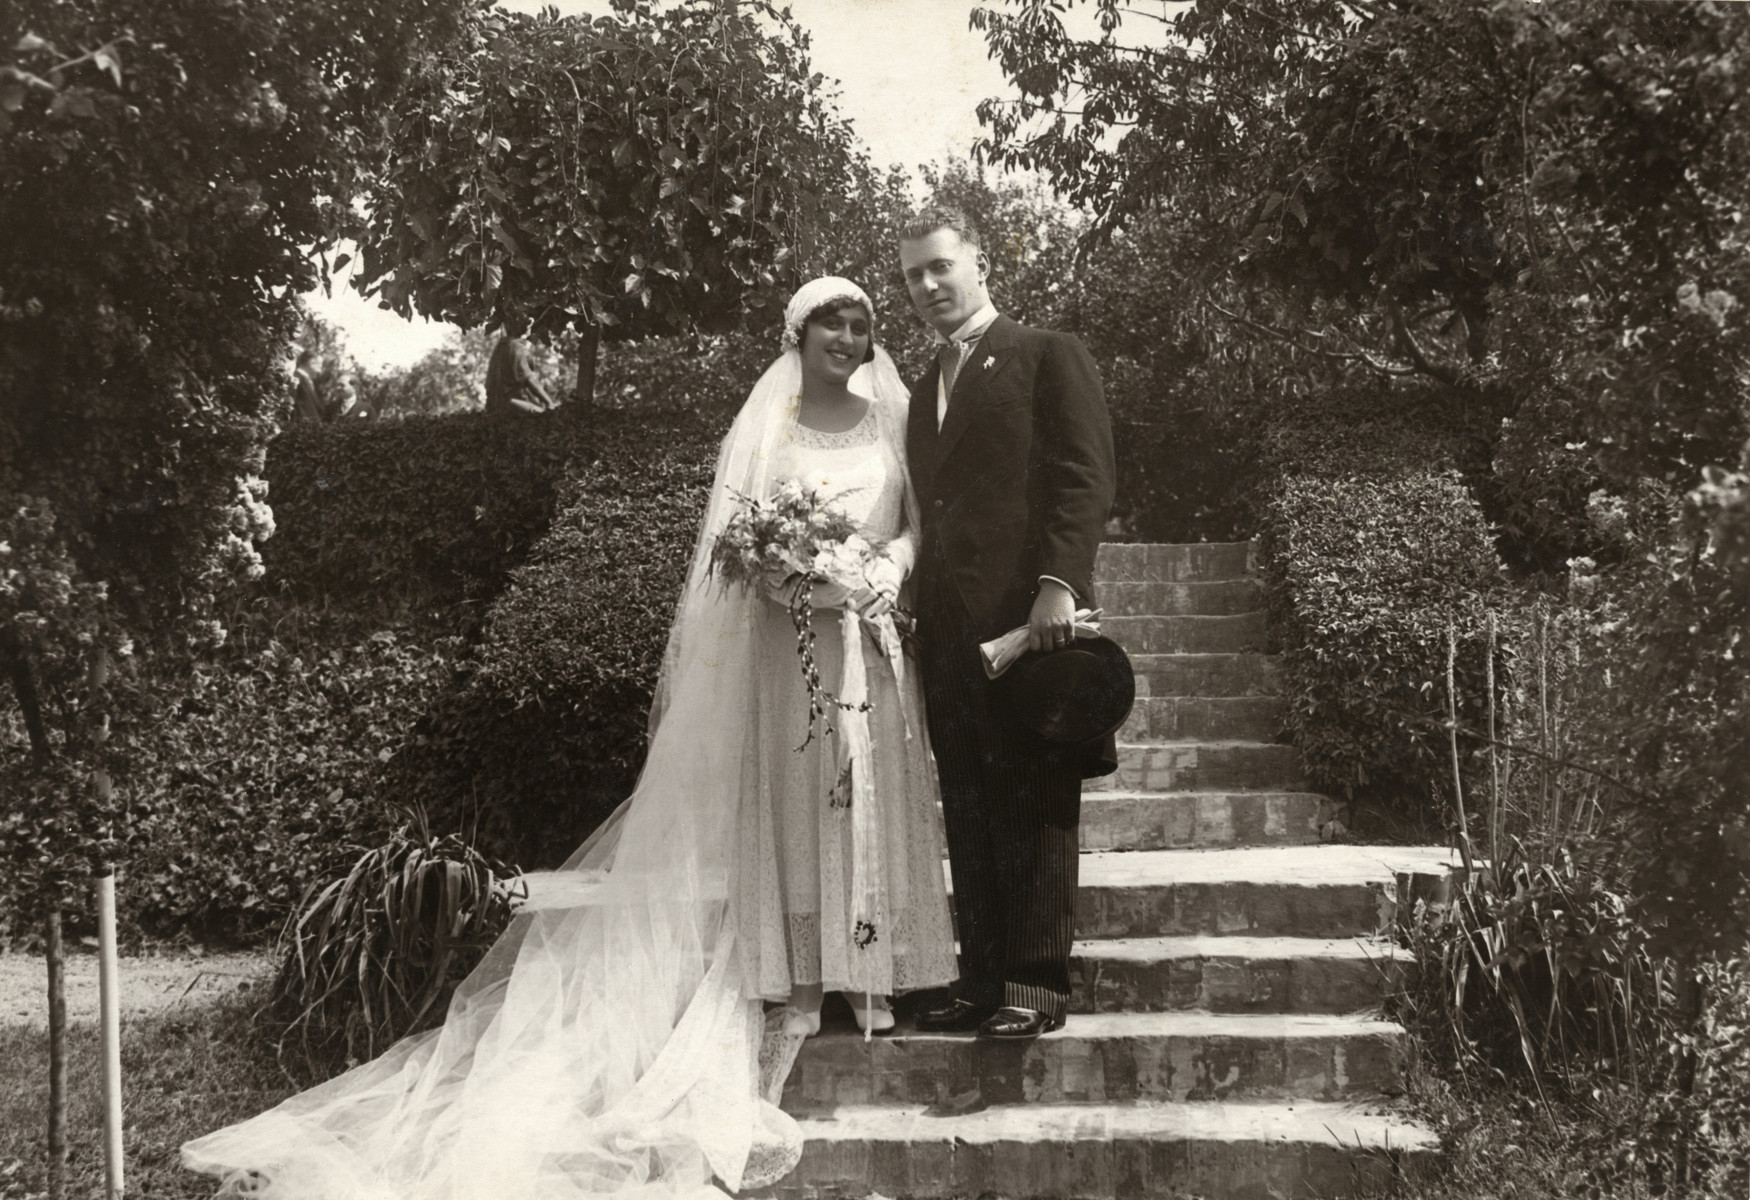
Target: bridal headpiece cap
{"type": "Point", "coordinates": [816, 294]}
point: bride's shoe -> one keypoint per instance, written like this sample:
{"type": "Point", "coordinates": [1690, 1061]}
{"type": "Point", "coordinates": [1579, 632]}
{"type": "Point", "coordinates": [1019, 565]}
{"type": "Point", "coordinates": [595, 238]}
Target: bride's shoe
{"type": "Point", "coordinates": [802, 1013]}
{"type": "Point", "coordinates": [801, 1024]}
{"type": "Point", "coordinates": [878, 1019]}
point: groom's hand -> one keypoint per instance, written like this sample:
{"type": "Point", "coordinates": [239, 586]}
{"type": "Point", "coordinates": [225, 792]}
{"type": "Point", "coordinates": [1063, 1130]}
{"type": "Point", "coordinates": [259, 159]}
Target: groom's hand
{"type": "Point", "coordinates": [1052, 622]}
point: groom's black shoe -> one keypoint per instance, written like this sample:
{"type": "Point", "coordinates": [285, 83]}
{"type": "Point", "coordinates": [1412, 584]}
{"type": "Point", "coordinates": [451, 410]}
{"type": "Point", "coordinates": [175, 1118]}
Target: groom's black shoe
{"type": "Point", "coordinates": [957, 1016]}
{"type": "Point", "coordinates": [1017, 1023]}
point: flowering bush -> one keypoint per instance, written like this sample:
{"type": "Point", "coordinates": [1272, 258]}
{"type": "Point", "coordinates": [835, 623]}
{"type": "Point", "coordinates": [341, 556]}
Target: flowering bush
{"type": "Point", "coordinates": [161, 186]}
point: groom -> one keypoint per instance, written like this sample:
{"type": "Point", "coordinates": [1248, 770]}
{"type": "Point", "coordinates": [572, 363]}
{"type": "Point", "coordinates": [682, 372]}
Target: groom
{"type": "Point", "coordinates": [1011, 456]}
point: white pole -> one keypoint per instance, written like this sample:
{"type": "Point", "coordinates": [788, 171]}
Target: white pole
{"type": "Point", "coordinates": [109, 996]}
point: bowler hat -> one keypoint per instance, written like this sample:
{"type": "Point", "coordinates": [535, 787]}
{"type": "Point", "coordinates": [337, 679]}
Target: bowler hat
{"type": "Point", "coordinates": [1071, 695]}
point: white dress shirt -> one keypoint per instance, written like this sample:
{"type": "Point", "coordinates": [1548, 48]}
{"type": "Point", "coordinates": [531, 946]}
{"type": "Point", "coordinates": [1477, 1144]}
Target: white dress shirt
{"type": "Point", "coordinates": [966, 338]}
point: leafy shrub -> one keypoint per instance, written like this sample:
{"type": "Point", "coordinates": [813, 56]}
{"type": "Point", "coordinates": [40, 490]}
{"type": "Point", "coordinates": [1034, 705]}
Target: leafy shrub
{"type": "Point", "coordinates": [546, 734]}
{"type": "Point", "coordinates": [430, 511]}
{"type": "Point", "coordinates": [1373, 547]}
{"type": "Point", "coordinates": [257, 777]}
{"type": "Point", "coordinates": [1364, 578]}
{"type": "Point", "coordinates": [373, 954]}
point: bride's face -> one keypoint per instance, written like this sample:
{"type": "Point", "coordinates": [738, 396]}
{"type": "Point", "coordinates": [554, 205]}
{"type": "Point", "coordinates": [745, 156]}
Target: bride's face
{"type": "Point", "coordinates": [835, 343]}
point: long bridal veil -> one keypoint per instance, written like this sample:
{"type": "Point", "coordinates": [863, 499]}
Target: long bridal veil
{"type": "Point", "coordinates": [605, 1045]}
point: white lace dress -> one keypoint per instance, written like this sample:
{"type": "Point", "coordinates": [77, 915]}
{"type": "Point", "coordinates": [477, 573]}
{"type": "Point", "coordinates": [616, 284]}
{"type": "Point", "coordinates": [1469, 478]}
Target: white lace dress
{"type": "Point", "coordinates": [794, 908]}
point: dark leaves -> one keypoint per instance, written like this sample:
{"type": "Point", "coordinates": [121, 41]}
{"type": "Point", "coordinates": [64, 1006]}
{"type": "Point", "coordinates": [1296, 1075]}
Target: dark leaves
{"type": "Point", "coordinates": [368, 955]}
{"type": "Point", "coordinates": [688, 135]}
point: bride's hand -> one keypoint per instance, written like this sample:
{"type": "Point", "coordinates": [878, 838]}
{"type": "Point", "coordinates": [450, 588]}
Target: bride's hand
{"type": "Point", "coordinates": [881, 577]}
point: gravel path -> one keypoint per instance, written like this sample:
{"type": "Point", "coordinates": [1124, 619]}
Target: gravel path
{"type": "Point", "coordinates": [150, 984]}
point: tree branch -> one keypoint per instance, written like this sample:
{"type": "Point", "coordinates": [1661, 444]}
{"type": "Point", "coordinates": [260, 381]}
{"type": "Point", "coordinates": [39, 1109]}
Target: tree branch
{"type": "Point", "coordinates": [1407, 343]}
{"type": "Point", "coordinates": [1285, 336]}
{"type": "Point", "coordinates": [17, 667]}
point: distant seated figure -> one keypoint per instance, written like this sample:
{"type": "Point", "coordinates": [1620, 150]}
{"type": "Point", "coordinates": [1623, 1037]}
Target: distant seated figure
{"type": "Point", "coordinates": [307, 400]}
{"type": "Point", "coordinates": [511, 385]}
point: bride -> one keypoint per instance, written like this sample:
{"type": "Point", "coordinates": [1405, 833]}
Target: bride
{"type": "Point", "coordinates": [615, 1041]}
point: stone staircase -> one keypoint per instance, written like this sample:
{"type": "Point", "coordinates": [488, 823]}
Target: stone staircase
{"type": "Point", "coordinates": [1225, 1038]}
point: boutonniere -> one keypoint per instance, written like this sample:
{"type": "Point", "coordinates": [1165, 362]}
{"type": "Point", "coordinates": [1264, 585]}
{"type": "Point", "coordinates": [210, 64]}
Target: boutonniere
{"type": "Point", "coordinates": [989, 361]}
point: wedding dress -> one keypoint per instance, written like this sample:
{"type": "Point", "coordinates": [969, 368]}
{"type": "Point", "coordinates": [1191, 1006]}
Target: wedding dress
{"type": "Point", "coordinates": [797, 847]}
{"type": "Point", "coordinates": [613, 1042]}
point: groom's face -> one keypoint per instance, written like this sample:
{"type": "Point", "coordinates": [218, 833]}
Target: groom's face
{"type": "Point", "coordinates": [945, 277]}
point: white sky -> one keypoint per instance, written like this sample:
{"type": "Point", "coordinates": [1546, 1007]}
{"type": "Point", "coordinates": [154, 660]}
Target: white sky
{"type": "Point", "coordinates": [911, 74]}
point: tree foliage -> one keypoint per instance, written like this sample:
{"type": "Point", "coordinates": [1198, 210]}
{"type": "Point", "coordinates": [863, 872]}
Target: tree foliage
{"type": "Point", "coordinates": [643, 173]}
{"type": "Point", "coordinates": [1537, 202]}
{"type": "Point", "coordinates": [1537, 208]}
{"type": "Point", "coordinates": [159, 196]}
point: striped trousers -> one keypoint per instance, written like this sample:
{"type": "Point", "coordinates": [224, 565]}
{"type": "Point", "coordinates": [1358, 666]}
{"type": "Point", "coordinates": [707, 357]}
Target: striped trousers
{"type": "Point", "coordinates": [1010, 806]}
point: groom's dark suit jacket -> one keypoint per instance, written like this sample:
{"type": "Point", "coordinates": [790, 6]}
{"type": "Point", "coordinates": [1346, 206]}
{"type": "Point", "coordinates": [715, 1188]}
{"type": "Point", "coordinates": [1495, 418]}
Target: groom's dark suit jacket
{"type": "Point", "coordinates": [1018, 482]}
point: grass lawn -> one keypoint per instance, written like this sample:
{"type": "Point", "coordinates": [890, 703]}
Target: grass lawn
{"type": "Point", "coordinates": [184, 1072]}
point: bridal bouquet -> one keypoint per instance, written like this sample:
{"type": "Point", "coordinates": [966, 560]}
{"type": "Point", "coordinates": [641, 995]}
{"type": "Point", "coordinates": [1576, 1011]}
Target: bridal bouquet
{"type": "Point", "coordinates": [792, 544]}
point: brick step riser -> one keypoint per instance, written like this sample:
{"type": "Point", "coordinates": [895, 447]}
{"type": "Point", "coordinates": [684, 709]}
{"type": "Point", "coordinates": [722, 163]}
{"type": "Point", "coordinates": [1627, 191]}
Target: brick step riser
{"type": "Point", "coordinates": [1216, 719]}
{"type": "Point", "coordinates": [1122, 562]}
{"type": "Point", "coordinates": [1065, 1068]}
{"type": "Point", "coordinates": [1118, 1168]}
{"type": "Point", "coordinates": [1228, 908]}
{"type": "Point", "coordinates": [1187, 635]}
{"type": "Point", "coordinates": [1194, 767]}
{"type": "Point", "coordinates": [1207, 675]}
{"type": "Point", "coordinates": [1232, 985]}
{"type": "Point", "coordinates": [1223, 598]}
{"type": "Point", "coordinates": [1202, 820]}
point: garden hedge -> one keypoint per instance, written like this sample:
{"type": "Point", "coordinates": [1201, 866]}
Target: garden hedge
{"type": "Point", "coordinates": [545, 734]}
{"type": "Point", "coordinates": [427, 511]}
{"type": "Point", "coordinates": [1373, 546]}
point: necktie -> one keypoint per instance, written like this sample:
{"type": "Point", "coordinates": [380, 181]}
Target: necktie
{"type": "Point", "coordinates": [951, 356]}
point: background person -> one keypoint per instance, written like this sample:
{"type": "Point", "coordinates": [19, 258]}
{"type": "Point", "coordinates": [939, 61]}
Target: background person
{"type": "Point", "coordinates": [511, 383]}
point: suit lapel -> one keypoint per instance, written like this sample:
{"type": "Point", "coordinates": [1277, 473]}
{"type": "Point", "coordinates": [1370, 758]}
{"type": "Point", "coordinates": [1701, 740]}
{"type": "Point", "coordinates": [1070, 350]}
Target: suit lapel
{"type": "Point", "coordinates": [994, 349]}
{"type": "Point", "coordinates": [921, 436]}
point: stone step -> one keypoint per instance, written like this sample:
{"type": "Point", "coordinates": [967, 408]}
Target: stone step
{"type": "Point", "coordinates": [1187, 635]}
{"type": "Point", "coordinates": [1185, 820]}
{"type": "Point", "coordinates": [1124, 562]}
{"type": "Point", "coordinates": [1214, 675]}
{"type": "Point", "coordinates": [1107, 1152]}
{"type": "Point", "coordinates": [1202, 766]}
{"type": "Point", "coordinates": [1267, 891]}
{"type": "Point", "coordinates": [1208, 718]}
{"type": "Point", "coordinates": [1206, 598]}
{"type": "Point", "coordinates": [1109, 1057]}
{"type": "Point", "coordinates": [1233, 974]}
